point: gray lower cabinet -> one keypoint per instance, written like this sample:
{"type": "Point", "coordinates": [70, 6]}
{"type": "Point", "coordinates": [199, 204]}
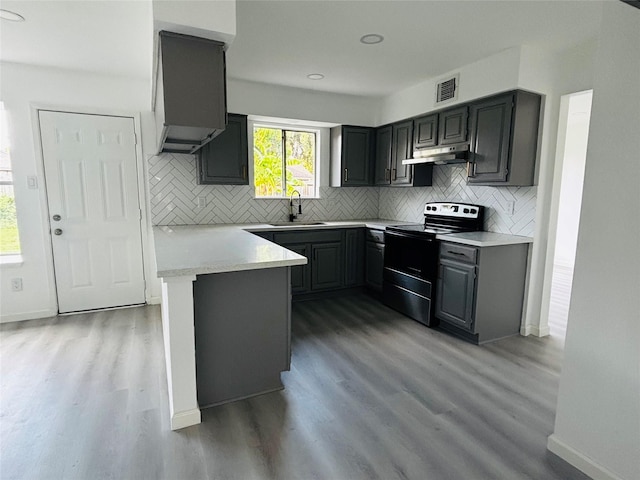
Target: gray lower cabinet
{"type": "Point", "coordinates": [326, 266]}
{"type": "Point", "coordinates": [480, 290]}
{"type": "Point", "coordinates": [301, 274]}
{"type": "Point", "coordinates": [456, 293]}
{"type": "Point", "coordinates": [334, 258]}
{"type": "Point", "coordinates": [241, 346]}
{"type": "Point", "coordinates": [353, 257]}
{"type": "Point", "coordinates": [374, 255]}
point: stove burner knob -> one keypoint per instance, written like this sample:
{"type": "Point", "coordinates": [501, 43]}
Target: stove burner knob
{"type": "Point", "coordinates": [473, 210]}
{"type": "Point", "coordinates": [466, 210]}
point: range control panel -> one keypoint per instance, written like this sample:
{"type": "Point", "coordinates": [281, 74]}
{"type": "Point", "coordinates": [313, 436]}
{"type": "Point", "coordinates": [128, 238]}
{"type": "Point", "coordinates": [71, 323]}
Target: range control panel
{"type": "Point", "coordinates": [457, 210]}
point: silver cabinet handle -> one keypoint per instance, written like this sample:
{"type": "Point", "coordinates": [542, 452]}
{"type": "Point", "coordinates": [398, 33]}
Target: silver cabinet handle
{"type": "Point", "coordinates": [57, 218]}
{"type": "Point", "coordinates": [58, 231]}
{"type": "Point", "coordinates": [346, 174]}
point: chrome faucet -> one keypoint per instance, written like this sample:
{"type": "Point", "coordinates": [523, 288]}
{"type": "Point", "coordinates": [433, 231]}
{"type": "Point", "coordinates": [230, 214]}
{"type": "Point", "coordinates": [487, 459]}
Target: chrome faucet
{"type": "Point", "coordinates": [292, 215]}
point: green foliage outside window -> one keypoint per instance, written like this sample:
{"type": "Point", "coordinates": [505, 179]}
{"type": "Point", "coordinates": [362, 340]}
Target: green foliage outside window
{"type": "Point", "coordinates": [298, 163]}
{"type": "Point", "coordinates": [9, 240]}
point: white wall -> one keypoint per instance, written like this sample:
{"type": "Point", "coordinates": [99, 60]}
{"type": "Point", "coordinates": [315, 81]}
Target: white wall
{"type": "Point", "coordinates": [574, 158]}
{"type": "Point", "coordinates": [493, 74]}
{"type": "Point", "coordinates": [598, 415]}
{"type": "Point", "coordinates": [215, 20]}
{"type": "Point", "coordinates": [294, 103]}
{"type": "Point", "coordinates": [21, 87]}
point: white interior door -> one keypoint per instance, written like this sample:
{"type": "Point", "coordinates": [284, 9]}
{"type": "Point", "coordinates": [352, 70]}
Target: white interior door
{"type": "Point", "coordinates": [94, 213]}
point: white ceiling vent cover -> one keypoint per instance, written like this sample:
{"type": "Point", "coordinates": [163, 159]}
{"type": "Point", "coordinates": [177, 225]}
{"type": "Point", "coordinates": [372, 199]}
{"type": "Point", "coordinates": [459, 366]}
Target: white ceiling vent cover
{"type": "Point", "coordinates": [447, 89]}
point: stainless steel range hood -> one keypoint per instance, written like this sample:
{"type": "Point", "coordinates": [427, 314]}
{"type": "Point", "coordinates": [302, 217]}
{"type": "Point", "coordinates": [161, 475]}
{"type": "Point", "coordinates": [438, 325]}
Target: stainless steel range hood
{"type": "Point", "coordinates": [458, 153]}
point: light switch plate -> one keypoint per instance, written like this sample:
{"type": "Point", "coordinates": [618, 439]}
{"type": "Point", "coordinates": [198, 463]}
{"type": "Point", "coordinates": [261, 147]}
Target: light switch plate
{"type": "Point", "coordinates": [32, 182]}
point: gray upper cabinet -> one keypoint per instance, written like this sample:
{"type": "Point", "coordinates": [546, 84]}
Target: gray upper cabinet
{"type": "Point", "coordinates": [425, 131]}
{"type": "Point", "coordinates": [225, 159]}
{"type": "Point", "coordinates": [352, 150]}
{"type": "Point", "coordinates": [190, 98]}
{"type": "Point", "coordinates": [402, 149]}
{"type": "Point", "coordinates": [394, 143]}
{"type": "Point", "coordinates": [504, 139]}
{"type": "Point", "coordinates": [453, 126]}
{"type": "Point", "coordinates": [383, 155]}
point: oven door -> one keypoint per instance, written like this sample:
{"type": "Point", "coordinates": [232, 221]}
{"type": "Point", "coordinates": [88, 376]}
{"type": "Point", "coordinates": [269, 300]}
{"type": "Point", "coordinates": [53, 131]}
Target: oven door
{"type": "Point", "coordinates": [410, 253]}
{"type": "Point", "coordinates": [410, 266]}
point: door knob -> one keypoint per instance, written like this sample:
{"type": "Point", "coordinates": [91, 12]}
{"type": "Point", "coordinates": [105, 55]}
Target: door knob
{"type": "Point", "coordinates": [57, 218]}
{"type": "Point", "coordinates": [58, 231]}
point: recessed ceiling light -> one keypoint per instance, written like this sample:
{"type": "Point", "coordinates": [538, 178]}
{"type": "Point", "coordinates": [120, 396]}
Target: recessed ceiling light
{"type": "Point", "coordinates": [371, 38]}
{"type": "Point", "coordinates": [315, 76]}
{"type": "Point", "coordinates": [11, 16]}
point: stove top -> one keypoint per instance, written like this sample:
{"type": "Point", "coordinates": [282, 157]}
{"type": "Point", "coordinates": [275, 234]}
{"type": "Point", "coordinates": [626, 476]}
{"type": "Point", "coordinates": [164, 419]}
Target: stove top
{"type": "Point", "coordinates": [446, 217]}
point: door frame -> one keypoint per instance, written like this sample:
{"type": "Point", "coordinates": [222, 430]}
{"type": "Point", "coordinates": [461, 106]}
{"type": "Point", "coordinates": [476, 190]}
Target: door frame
{"type": "Point", "coordinates": [554, 208]}
{"type": "Point", "coordinates": [145, 226]}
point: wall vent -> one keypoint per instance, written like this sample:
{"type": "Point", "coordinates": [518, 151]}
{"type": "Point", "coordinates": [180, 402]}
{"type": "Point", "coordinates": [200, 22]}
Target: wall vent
{"type": "Point", "coordinates": [447, 89]}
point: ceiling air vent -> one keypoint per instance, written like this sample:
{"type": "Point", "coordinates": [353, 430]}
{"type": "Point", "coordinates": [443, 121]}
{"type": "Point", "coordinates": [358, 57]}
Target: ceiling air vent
{"type": "Point", "coordinates": [447, 89]}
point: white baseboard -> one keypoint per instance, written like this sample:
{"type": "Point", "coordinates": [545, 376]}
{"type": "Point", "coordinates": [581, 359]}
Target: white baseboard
{"type": "Point", "coordinates": [185, 419]}
{"type": "Point", "coordinates": [578, 460]}
{"type": "Point", "coordinates": [19, 317]}
{"type": "Point", "coordinates": [537, 330]}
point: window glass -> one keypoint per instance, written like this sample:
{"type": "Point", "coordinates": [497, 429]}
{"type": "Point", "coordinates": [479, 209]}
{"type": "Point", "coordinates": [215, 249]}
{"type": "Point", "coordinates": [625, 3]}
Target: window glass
{"type": "Point", "coordinates": [284, 161]}
{"type": "Point", "coordinates": [9, 239]}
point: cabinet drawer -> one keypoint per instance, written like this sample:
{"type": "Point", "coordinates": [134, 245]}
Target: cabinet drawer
{"type": "Point", "coordinates": [458, 252]}
{"type": "Point", "coordinates": [376, 236]}
{"type": "Point", "coordinates": [308, 236]}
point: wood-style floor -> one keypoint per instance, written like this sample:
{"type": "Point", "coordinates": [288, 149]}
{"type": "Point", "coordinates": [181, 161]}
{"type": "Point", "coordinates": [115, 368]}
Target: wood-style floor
{"type": "Point", "coordinates": [371, 395]}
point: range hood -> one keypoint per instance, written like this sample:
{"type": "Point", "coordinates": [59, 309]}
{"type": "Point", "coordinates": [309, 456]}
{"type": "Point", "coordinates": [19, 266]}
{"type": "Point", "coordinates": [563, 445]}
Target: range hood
{"type": "Point", "coordinates": [190, 97]}
{"type": "Point", "coordinates": [458, 153]}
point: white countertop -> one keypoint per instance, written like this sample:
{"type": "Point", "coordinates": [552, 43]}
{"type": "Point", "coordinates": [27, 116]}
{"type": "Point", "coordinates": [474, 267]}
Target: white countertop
{"type": "Point", "coordinates": [484, 239]}
{"type": "Point", "coordinates": [203, 249]}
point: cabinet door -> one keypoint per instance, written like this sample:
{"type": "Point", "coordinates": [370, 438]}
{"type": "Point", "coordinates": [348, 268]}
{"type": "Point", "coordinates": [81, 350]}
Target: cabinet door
{"type": "Point", "coordinates": [300, 274]}
{"type": "Point", "coordinates": [356, 156]}
{"type": "Point", "coordinates": [456, 293]}
{"type": "Point", "coordinates": [425, 131]}
{"type": "Point", "coordinates": [383, 155]}
{"type": "Point", "coordinates": [402, 149]}
{"type": "Point", "coordinates": [225, 159]}
{"type": "Point", "coordinates": [353, 257]}
{"type": "Point", "coordinates": [453, 126]}
{"type": "Point", "coordinates": [490, 137]}
{"type": "Point", "coordinates": [326, 269]}
{"type": "Point", "coordinates": [374, 265]}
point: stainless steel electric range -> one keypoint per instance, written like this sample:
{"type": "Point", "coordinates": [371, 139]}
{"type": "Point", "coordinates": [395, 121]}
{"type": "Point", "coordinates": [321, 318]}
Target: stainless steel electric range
{"type": "Point", "coordinates": [411, 257]}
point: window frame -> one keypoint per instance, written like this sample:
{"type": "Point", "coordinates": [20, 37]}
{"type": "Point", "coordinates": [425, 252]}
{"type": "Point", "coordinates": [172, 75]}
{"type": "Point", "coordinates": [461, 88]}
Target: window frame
{"type": "Point", "coordinates": [9, 257]}
{"type": "Point", "coordinates": [288, 127]}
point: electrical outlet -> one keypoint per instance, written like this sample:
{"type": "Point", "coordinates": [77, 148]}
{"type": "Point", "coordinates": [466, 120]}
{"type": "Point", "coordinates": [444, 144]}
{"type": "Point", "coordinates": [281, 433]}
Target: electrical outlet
{"type": "Point", "coordinates": [510, 207]}
{"type": "Point", "coordinates": [202, 202]}
{"type": "Point", "coordinates": [32, 182]}
{"type": "Point", "coordinates": [16, 284]}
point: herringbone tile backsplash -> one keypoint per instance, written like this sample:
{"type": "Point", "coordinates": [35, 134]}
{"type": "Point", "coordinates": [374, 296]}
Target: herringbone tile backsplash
{"type": "Point", "coordinates": [175, 193]}
{"type": "Point", "coordinates": [450, 184]}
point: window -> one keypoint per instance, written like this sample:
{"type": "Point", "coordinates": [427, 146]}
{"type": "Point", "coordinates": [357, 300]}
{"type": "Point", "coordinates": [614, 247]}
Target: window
{"type": "Point", "coordinates": [9, 241]}
{"type": "Point", "coordinates": [284, 161]}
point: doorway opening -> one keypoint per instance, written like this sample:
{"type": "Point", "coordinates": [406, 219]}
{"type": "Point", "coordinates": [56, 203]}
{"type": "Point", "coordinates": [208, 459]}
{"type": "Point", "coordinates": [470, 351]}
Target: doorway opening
{"type": "Point", "coordinates": [573, 133]}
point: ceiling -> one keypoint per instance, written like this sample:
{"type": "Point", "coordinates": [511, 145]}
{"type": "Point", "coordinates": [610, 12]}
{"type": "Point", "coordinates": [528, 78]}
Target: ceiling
{"type": "Point", "coordinates": [280, 42]}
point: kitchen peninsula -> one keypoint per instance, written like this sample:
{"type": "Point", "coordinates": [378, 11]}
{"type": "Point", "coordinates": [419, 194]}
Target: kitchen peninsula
{"type": "Point", "coordinates": [226, 308]}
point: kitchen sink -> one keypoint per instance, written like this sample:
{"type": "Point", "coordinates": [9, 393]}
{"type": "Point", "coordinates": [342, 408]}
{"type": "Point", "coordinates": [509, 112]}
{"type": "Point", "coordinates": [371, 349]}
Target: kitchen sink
{"type": "Point", "coordinates": [294, 224]}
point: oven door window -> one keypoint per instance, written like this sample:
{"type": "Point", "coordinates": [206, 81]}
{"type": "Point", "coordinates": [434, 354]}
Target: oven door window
{"type": "Point", "coordinates": [412, 254]}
